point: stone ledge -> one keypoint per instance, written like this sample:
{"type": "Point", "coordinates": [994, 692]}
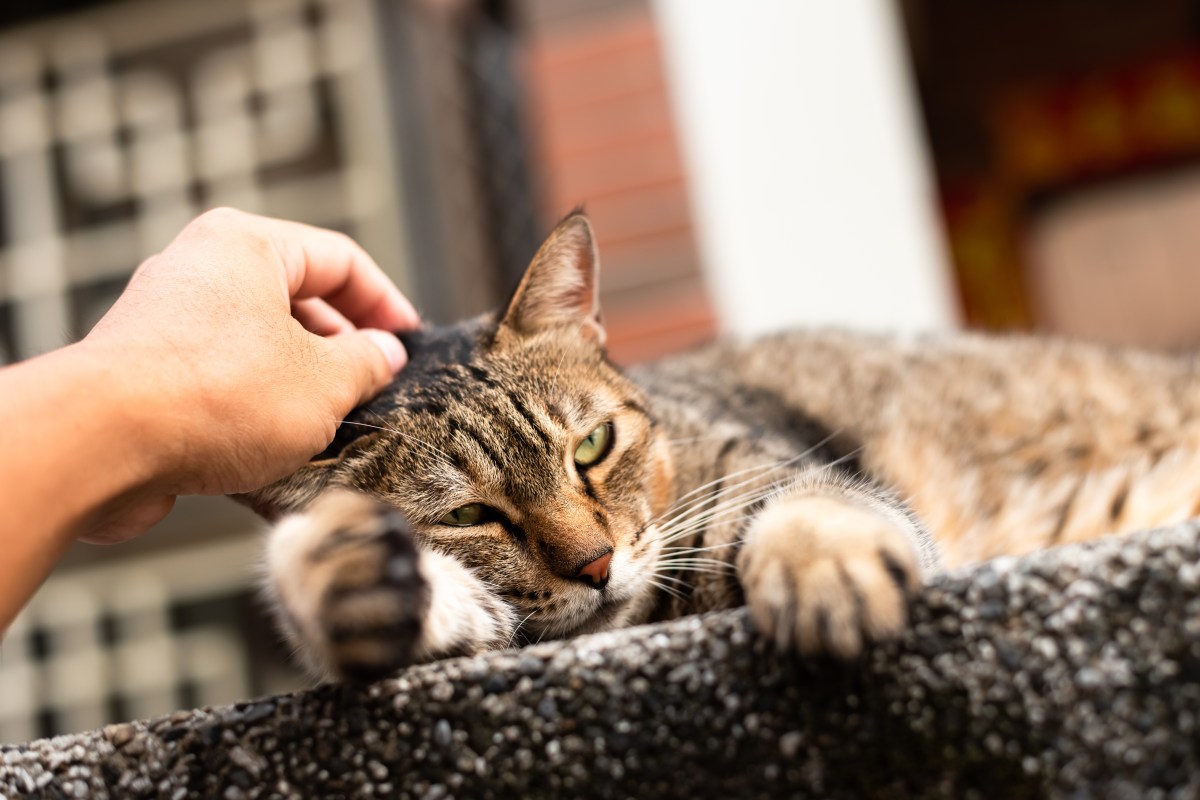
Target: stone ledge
{"type": "Point", "coordinates": [1074, 670]}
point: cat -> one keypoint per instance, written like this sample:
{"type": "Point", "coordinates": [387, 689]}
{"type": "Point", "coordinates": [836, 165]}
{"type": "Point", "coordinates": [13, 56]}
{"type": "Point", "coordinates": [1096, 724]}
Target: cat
{"type": "Point", "coordinates": [512, 484]}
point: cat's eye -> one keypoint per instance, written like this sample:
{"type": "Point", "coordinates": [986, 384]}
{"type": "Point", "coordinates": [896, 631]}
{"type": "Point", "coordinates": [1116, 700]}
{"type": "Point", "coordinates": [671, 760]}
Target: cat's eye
{"type": "Point", "coordinates": [593, 448]}
{"type": "Point", "coordinates": [466, 516]}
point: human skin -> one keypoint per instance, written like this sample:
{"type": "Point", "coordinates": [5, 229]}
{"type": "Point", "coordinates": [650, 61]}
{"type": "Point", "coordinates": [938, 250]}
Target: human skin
{"type": "Point", "coordinates": [227, 362]}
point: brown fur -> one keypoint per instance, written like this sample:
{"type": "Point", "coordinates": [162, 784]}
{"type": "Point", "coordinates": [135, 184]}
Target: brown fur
{"type": "Point", "coordinates": [1000, 445]}
{"type": "Point", "coordinates": [798, 473]}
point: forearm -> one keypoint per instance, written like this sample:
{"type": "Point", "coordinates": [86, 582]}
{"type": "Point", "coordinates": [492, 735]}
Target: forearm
{"type": "Point", "coordinates": [75, 451]}
{"type": "Point", "coordinates": [198, 380]}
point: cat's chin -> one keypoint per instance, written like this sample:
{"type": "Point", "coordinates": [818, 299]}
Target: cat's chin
{"type": "Point", "coordinates": [611, 613]}
{"type": "Point", "coordinates": [618, 607]}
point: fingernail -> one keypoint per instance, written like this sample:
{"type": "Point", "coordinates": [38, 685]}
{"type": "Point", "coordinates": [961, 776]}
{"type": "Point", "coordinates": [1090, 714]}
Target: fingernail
{"type": "Point", "coordinates": [394, 351]}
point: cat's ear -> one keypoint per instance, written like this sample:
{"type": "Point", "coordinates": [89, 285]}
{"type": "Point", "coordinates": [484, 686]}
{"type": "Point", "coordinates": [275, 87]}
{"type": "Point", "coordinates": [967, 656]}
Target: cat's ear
{"type": "Point", "coordinates": [561, 286]}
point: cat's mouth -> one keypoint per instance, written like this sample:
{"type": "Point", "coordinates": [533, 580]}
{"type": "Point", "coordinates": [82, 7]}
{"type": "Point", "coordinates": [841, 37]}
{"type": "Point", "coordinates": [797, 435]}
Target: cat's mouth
{"type": "Point", "coordinates": [589, 610]}
{"type": "Point", "coordinates": [615, 599]}
{"type": "Point", "coordinates": [602, 615]}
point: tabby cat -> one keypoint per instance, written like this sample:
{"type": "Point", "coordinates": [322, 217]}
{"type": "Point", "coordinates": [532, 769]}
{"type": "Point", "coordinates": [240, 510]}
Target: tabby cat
{"type": "Point", "coordinates": [512, 484]}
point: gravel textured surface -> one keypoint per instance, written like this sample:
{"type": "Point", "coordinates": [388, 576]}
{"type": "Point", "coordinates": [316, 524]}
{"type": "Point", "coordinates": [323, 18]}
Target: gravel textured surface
{"type": "Point", "coordinates": [1069, 673]}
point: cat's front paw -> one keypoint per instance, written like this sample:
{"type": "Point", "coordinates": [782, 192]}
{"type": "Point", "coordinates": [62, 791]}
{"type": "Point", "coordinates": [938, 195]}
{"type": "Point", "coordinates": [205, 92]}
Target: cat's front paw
{"type": "Point", "coordinates": [347, 585]}
{"type": "Point", "coordinates": [825, 575]}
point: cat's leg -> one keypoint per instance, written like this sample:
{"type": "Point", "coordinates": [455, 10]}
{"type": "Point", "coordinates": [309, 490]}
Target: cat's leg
{"type": "Point", "coordinates": [830, 563]}
{"type": "Point", "coordinates": [359, 599]}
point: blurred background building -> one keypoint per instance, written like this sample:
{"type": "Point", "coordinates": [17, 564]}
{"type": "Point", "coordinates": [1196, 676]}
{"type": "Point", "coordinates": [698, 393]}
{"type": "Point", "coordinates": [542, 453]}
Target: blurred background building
{"type": "Point", "coordinates": [896, 165]}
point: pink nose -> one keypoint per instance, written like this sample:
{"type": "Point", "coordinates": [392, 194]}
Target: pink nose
{"type": "Point", "coordinates": [597, 570]}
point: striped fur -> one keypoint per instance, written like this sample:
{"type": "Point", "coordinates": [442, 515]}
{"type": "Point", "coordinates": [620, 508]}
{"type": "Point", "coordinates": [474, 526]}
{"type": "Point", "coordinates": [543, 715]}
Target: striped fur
{"type": "Point", "coordinates": [799, 474]}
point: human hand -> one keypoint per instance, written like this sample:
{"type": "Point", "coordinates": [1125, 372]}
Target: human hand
{"type": "Point", "coordinates": [239, 349]}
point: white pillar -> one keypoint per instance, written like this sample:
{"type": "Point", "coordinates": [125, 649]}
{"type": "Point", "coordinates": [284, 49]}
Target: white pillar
{"type": "Point", "coordinates": [809, 180]}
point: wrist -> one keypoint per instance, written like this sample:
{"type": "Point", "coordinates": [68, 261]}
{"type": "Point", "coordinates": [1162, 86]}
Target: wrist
{"type": "Point", "coordinates": [123, 415]}
{"type": "Point", "coordinates": [105, 453]}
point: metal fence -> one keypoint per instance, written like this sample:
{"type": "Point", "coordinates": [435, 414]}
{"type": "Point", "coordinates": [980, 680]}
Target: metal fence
{"type": "Point", "coordinates": [397, 122]}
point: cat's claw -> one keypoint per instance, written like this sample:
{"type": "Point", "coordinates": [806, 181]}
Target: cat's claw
{"type": "Point", "coordinates": [825, 576]}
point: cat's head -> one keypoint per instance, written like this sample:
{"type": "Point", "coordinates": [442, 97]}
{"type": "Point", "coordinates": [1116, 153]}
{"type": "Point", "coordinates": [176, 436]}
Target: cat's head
{"type": "Point", "coordinates": [513, 444]}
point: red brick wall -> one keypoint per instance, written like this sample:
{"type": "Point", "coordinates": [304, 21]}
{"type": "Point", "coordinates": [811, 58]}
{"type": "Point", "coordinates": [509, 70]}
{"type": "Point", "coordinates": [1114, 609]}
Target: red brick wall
{"type": "Point", "coordinates": [603, 136]}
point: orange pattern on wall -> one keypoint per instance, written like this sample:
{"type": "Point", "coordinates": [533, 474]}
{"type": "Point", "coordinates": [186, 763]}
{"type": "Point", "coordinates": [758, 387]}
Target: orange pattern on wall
{"type": "Point", "coordinates": [603, 136]}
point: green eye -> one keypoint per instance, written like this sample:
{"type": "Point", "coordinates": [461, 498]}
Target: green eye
{"type": "Point", "coordinates": [465, 516]}
{"type": "Point", "coordinates": [593, 448]}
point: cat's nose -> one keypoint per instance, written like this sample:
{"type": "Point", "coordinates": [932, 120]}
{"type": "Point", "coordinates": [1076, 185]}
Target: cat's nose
{"type": "Point", "coordinates": [596, 571]}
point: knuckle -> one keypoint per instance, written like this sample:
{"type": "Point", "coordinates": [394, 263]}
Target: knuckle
{"type": "Point", "coordinates": [222, 213]}
{"type": "Point", "coordinates": [345, 240]}
{"type": "Point", "coordinates": [217, 219]}
{"type": "Point", "coordinates": [224, 222]}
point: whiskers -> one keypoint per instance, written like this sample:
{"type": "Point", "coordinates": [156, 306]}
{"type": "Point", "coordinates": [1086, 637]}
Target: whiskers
{"type": "Point", "coordinates": [554, 379]}
{"type": "Point", "coordinates": [656, 579]}
{"type": "Point", "coordinates": [516, 631]}
{"type": "Point", "coordinates": [438, 453]}
{"type": "Point", "coordinates": [731, 497]}
{"type": "Point", "coordinates": [665, 573]}
{"type": "Point", "coordinates": [682, 563]}
{"type": "Point", "coordinates": [708, 492]}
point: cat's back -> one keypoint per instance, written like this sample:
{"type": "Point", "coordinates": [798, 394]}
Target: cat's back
{"type": "Point", "coordinates": [1017, 384]}
{"type": "Point", "coordinates": [1002, 443]}
{"type": "Point", "coordinates": [714, 392]}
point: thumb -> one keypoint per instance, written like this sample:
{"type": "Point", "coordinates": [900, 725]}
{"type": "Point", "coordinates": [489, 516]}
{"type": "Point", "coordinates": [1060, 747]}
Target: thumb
{"type": "Point", "coordinates": [372, 358]}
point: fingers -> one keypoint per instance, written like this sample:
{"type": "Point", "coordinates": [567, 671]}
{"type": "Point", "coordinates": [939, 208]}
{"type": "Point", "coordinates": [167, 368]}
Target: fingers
{"type": "Point", "coordinates": [331, 266]}
{"type": "Point", "coordinates": [318, 263]}
{"type": "Point", "coordinates": [129, 518]}
{"type": "Point", "coordinates": [370, 359]}
{"type": "Point", "coordinates": [320, 318]}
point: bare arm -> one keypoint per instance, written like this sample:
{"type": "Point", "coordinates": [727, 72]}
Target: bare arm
{"type": "Point", "coordinates": [227, 362]}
